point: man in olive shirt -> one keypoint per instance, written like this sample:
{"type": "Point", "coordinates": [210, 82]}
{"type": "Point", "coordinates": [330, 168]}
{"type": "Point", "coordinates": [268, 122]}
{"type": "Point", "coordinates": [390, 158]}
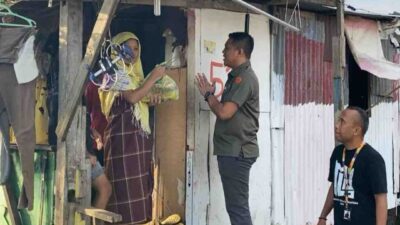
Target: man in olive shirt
{"type": "Point", "coordinates": [235, 135]}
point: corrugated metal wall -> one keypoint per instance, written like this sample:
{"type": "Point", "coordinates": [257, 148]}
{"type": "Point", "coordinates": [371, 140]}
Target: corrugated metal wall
{"type": "Point", "coordinates": [309, 141]}
{"type": "Point", "coordinates": [384, 126]}
{"type": "Point", "coordinates": [394, 55]}
{"type": "Point", "coordinates": [380, 135]}
{"type": "Point", "coordinates": [308, 78]}
{"type": "Point", "coordinates": [277, 125]}
{"type": "Point", "coordinates": [308, 137]}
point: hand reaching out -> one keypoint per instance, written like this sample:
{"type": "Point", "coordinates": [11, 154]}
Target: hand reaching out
{"type": "Point", "coordinates": [158, 72]}
{"type": "Point", "coordinates": [97, 138]}
{"type": "Point", "coordinates": [204, 85]}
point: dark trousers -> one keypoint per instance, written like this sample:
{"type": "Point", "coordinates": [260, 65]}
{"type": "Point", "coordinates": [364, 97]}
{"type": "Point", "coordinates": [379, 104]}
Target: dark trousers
{"type": "Point", "coordinates": [235, 172]}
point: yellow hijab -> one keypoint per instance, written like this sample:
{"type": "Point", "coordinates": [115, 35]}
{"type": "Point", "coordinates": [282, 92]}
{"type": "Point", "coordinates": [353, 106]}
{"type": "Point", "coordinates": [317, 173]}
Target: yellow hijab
{"type": "Point", "coordinates": [140, 109]}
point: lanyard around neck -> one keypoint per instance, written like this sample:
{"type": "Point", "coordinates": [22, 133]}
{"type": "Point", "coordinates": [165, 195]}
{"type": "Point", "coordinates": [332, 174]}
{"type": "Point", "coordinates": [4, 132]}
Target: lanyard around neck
{"type": "Point", "coordinates": [350, 167]}
{"type": "Point", "coordinates": [347, 172]}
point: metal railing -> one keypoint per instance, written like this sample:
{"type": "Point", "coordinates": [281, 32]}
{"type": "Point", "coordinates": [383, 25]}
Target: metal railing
{"type": "Point", "coordinates": [273, 18]}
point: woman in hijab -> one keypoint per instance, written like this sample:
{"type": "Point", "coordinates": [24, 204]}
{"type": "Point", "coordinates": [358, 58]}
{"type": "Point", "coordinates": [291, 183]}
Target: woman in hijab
{"type": "Point", "coordinates": [127, 140]}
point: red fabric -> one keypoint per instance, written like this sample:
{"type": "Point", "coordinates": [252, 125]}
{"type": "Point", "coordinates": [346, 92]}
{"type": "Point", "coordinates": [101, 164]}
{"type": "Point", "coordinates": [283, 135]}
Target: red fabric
{"type": "Point", "coordinates": [128, 166]}
{"type": "Point", "coordinates": [98, 120]}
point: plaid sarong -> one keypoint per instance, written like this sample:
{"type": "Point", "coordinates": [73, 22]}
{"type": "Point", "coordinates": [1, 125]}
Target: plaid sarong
{"type": "Point", "coordinates": [128, 155]}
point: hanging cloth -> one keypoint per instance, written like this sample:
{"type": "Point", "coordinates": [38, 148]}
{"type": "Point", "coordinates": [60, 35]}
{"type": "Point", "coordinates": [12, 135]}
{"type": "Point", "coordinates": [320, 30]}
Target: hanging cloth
{"type": "Point", "coordinates": [41, 115]}
{"type": "Point", "coordinates": [25, 67]}
{"type": "Point", "coordinates": [12, 41]}
{"type": "Point", "coordinates": [17, 104]}
{"type": "Point", "coordinates": [4, 147]}
{"type": "Point", "coordinates": [17, 101]}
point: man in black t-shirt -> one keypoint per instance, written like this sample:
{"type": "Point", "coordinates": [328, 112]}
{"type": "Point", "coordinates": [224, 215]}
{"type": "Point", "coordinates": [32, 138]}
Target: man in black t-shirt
{"type": "Point", "coordinates": [357, 173]}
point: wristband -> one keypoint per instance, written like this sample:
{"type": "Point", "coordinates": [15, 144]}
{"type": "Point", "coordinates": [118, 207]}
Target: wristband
{"type": "Point", "coordinates": [206, 95]}
{"type": "Point", "coordinates": [322, 218]}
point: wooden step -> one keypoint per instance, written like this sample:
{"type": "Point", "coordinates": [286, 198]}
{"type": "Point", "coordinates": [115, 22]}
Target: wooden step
{"type": "Point", "coordinates": [101, 214]}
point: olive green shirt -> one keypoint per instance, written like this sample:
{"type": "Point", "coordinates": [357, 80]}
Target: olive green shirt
{"type": "Point", "coordinates": [239, 133]}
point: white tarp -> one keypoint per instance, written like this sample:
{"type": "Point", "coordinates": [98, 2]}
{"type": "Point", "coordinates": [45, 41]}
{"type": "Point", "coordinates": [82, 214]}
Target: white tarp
{"type": "Point", "coordinates": [365, 44]}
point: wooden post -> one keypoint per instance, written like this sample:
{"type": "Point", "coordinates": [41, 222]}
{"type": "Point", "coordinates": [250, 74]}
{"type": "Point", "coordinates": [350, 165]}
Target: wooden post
{"type": "Point", "coordinates": [75, 92]}
{"type": "Point", "coordinates": [341, 50]}
{"type": "Point", "coordinates": [192, 111]}
{"type": "Point", "coordinates": [70, 55]}
{"type": "Point", "coordinates": [83, 187]}
{"type": "Point", "coordinates": [61, 185]}
{"type": "Point", "coordinates": [73, 73]}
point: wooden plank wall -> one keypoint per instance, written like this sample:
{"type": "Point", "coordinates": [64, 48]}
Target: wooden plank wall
{"type": "Point", "coordinates": [70, 55]}
{"type": "Point", "coordinates": [192, 108]}
{"type": "Point", "coordinates": [71, 130]}
{"type": "Point", "coordinates": [170, 131]}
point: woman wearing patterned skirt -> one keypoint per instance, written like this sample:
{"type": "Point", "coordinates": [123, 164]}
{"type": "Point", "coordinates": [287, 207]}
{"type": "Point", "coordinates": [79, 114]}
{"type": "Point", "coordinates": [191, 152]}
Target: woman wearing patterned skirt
{"type": "Point", "coordinates": [127, 140]}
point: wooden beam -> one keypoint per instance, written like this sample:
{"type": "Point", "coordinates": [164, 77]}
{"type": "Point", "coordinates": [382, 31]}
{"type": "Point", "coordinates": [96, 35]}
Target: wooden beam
{"type": "Point", "coordinates": [195, 4]}
{"type": "Point", "coordinates": [192, 109]}
{"type": "Point", "coordinates": [293, 2]}
{"type": "Point", "coordinates": [205, 4]}
{"type": "Point", "coordinates": [83, 187]}
{"type": "Point", "coordinates": [83, 190]}
{"type": "Point", "coordinates": [60, 212]}
{"type": "Point", "coordinates": [70, 55]}
{"type": "Point", "coordinates": [341, 50]}
{"type": "Point", "coordinates": [175, 3]}
{"type": "Point", "coordinates": [75, 94]}
{"type": "Point", "coordinates": [38, 147]}
{"type": "Point", "coordinates": [193, 59]}
{"type": "Point", "coordinates": [61, 159]}
{"type": "Point", "coordinates": [101, 214]}
{"type": "Point", "coordinates": [251, 8]}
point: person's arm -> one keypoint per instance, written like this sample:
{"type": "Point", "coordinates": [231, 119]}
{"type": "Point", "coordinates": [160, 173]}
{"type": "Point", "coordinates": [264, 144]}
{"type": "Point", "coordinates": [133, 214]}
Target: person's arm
{"type": "Point", "coordinates": [136, 95]}
{"type": "Point", "coordinates": [97, 138]}
{"type": "Point", "coordinates": [381, 208]}
{"type": "Point", "coordinates": [328, 206]}
{"type": "Point", "coordinates": [376, 171]}
{"type": "Point", "coordinates": [223, 111]}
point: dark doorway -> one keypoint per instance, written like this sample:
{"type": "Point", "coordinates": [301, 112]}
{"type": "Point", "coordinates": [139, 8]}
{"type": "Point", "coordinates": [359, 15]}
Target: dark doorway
{"type": "Point", "coordinates": [359, 83]}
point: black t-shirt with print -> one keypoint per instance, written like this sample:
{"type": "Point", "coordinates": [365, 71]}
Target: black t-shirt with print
{"type": "Point", "coordinates": [367, 178]}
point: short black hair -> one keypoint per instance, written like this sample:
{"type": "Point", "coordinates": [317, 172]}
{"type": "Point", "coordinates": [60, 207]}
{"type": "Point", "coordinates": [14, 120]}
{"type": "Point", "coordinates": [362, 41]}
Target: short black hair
{"type": "Point", "coordinates": [364, 119]}
{"type": "Point", "coordinates": [243, 40]}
